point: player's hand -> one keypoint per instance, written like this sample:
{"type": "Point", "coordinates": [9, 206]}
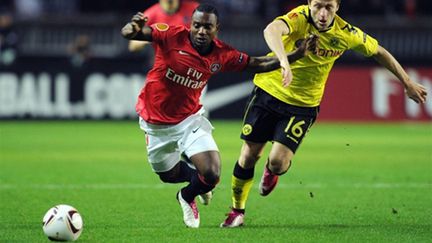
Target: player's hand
{"type": "Point", "coordinates": [138, 21]}
{"type": "Point", "coordinates": [131, 29]}
{"type": "Point", "coordinates": [310, 44]}
{"type": "Point", "coordinates": [416, 92]}
{"type": "Point", "coordinates": [287, 75]}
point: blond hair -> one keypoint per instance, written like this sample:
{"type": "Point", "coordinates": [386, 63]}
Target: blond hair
{"type": "Point", "coordinates": [338, 1]}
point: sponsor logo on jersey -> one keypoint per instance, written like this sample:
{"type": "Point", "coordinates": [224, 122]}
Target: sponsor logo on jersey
{"type": "Point", "coordinates": [191, 80]}
{"type": "Point", "coordinates": [215, 67]}
{"type": "Point", "coordinates": [162, 26]}
{"type": "Point", "coordinates": [329, 53]}
{"type": "Point", "coordinates": [325, 52]}
{"type": "Point", "coordinates": [247, 129]}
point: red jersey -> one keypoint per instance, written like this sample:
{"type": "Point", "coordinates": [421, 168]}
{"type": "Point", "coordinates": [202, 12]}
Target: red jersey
{"type": "Point", "coordinates": [174, 84]}
{"type": "Point", "coordinates": [183, 15]}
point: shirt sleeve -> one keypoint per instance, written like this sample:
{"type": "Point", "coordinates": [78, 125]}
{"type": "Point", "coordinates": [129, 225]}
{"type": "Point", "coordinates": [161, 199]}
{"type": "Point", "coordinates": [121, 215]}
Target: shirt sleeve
{"type": "Point", "coordinates": [234, 61]}
{"type": "Point", "coordinates": [162, 33]}
{"type": "Point", "coordinates": [295, 19]}
{"type": "Point", "coordinates": [363, 43]}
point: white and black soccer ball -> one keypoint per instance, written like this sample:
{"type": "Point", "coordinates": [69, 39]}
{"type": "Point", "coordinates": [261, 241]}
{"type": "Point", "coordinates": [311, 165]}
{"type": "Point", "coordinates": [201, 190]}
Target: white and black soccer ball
{"type": "Point", "coordinates": [62, 223]}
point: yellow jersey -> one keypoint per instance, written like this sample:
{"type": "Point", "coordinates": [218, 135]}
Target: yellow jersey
{"type": "Point", "coordinates": [311, 72]}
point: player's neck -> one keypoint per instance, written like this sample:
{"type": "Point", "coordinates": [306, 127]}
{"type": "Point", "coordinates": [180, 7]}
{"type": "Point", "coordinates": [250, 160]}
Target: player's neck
{"type": "Point", "coordinates": [203, 51]}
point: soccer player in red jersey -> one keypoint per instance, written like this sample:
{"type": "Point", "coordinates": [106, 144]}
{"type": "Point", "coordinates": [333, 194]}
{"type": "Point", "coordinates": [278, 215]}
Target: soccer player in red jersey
{"type": "Point", "coordinates": [168, 105]}
{"type": "Point", "coordinates": [171, 12]}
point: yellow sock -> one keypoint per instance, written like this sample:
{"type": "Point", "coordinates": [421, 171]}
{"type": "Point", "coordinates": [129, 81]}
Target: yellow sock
{"type": "Point", "coordinates": [240, 191]}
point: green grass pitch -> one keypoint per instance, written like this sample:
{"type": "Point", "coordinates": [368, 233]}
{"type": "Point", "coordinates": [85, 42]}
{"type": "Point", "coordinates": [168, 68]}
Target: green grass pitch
{"type": "Point", "coordinates": [348, 183]}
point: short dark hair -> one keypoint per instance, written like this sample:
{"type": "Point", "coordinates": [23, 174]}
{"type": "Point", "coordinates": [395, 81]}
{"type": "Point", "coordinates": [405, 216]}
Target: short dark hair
{"type": "Point", "coordinates": [207, 8]}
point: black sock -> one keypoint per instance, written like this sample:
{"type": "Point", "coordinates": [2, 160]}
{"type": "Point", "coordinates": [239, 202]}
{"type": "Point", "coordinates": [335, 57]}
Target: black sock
{"type": "Point", "coordinates": [185, 172]}
{"type": "Point", "coordinates": [196, 187]}
{"type": "Point", "coordinates": [239, 210]}
{"type": "Point", "coordinates": [180, 173]}
{"type": "Point", "coordinates": [244, 174]}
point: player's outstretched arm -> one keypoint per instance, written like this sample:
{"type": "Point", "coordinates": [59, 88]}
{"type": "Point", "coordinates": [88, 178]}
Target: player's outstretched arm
{"type": "Point", "coordinates": [273, 36]}
{"type": "Point", "coordinates": [136, 46]}
{"type": "Point", "coordinates": [266, 63]}
{"type": "Point", "coordinates": [413, 90]}
{"type": "Point", "coordinates": [135, 29]}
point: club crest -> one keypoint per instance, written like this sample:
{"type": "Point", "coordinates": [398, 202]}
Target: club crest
{"type": "Point", "coordinates": [247, 129]}
{"type": "Point", "coordinates": [334, 42]}
{"type": "Point", "coordinates": [215, 67]}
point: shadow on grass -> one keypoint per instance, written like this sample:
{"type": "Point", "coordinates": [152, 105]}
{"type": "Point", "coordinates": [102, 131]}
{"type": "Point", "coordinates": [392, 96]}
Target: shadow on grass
{"type": "Point", "coordinates": [321, 226]}
{"type": "Point", "coordinates": [287, 226]}
{"type": "Point", "coordinates": [311, 226]}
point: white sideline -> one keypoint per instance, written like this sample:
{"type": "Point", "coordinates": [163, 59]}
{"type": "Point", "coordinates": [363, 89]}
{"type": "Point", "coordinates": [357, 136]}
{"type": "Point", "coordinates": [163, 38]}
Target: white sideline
{"type": "Point", "coordinates": [164, 186]}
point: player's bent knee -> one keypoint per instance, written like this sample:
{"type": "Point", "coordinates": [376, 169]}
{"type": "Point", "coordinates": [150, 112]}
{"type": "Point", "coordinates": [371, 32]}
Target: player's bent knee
{"type": "Point", "coordinates": [210, 178]}
{"type": "Point", "coordinates": [279, 167]}
{"type": "Point", "coordinates": [280, 172]}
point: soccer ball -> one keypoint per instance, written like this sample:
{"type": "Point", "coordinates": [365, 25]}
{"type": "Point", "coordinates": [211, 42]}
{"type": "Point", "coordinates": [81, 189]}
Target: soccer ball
{"type": "Point", "coordinates": [62, 223]}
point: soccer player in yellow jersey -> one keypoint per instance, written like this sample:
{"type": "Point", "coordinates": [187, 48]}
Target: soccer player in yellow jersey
{"type": "Point", "coordinates": [285, 102]}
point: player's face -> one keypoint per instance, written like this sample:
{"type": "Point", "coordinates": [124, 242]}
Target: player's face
{"type": "Point", "coordinates": [323, 12]}
{"type": "Point", "coordinates": [170, 6]}
{"type": "Point", "coordinates": [204, 28]}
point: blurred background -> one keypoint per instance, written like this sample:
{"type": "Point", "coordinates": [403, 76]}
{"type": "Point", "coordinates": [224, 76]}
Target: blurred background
{"type": "Point", "coordinates": [66, 59]}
